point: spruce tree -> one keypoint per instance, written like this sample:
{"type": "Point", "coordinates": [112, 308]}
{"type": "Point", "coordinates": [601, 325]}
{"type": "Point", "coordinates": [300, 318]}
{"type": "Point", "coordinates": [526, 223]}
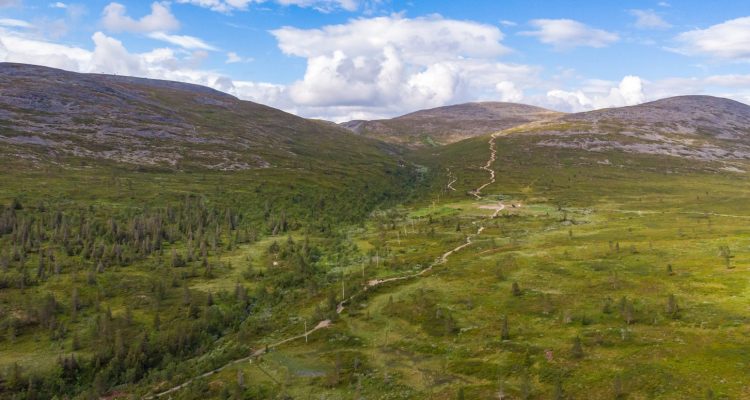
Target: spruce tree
{"type": "Point", "coordinates": [74, 304]}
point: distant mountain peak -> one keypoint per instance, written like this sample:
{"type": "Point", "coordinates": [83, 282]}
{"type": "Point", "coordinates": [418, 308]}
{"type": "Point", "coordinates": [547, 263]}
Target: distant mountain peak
{"type": "Point", "coordinates": [716, 116]}
{"type": "Point", "coordinates": [451, 123]}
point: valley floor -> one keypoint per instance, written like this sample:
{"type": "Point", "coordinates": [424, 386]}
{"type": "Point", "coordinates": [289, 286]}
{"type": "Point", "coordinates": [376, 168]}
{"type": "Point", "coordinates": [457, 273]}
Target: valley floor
{"type": "Point", "coordinates": [499, 295]}
{"type": "Point", "coordinates": [637, 289]}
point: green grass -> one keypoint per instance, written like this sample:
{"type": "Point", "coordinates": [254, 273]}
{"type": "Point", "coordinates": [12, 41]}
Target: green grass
{"type": "Point", "coordinates": [561, 247]}
{"type": "Point", "coordinates": [586, 235]}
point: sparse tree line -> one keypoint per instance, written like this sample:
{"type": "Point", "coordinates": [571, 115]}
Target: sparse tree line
{"type": "Point", "coordinates": [88, 250]}
{"type": "Point", "coordinates": [41, 242]}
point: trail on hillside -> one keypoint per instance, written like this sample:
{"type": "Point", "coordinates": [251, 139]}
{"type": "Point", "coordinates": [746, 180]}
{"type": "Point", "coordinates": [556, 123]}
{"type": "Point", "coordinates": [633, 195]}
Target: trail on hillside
{"type": "Point", "coordinates": [698, 213]}
{"type": "Point", "coordinates": [322, 324]}
{"type": "Point", "coordinates": [487, 167]}
{"type": "Point", "coordinates": [477, 193]}
{"type": "Point", "coordinates": [499, 207]}
{"type": "Point", "coordinates": [452, 178]}
{"type": "Point", "coordinates": [341, 306]}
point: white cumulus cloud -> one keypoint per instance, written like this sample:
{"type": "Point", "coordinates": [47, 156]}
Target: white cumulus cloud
{"type": "Point", "coordinates": [324, 5]}
{"type": "Point", "coordinates": [567, 33]}
{"type": "Point", "coordinates": [115, 19]}
{"type": "Point", "coordinates": [508, 92]}
{"type": "Point", "coordinates": [184, 41]}
{"type": "Point", "coordinates": [729, 40]}
{"type": "Point", "coordinates": [234, 58]}
{"type": "Point", "coordinates": [598, 94]}
{"type": "Point", "coordinates": [383, 66]}
{"type": "Point", "coordinates": [110, 56]}
{"type": "Point", "coordinates": [649, 19]}
{"type": "Point", "coordinates": [14, 23]}
{"type": "Point", "coordinates": [226, 6]}
{"type": "Point", "coordinates": [423, 39]}
{"type": "Point", "coordinates": [220, 5]}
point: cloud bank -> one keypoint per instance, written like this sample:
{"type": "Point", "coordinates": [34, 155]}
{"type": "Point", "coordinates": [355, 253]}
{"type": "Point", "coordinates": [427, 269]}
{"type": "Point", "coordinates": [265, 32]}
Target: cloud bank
{"type": "Point", "coordinates": [383, 66]}
{"type": "Point", "coordinates": [564, 34]}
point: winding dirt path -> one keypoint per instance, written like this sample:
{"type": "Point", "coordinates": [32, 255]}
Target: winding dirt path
{"type": "Point", "coordinates": [452, 178]}
{"type": "Point", "coordinates": [440, 260]}
{"type": "Point", "coordinates": [322, 324]}
{"type": "Point", "coordinates": [499, 207]}
{"type": "Point", "coordinates": [699, 213]}
{"type": "Point", "coordinates": [487, 167]}
{"type": "Point", "coordinates": [477, 193]}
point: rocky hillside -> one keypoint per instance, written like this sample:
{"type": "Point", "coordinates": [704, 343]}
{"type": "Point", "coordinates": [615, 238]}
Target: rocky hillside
{"type": "Point", "coordinates": [53, 116]}
{"type": "Point", "coordinates": [695, 127]}
{"type": "Point", "coordinates": [450, 124]}
{"type": "Point", "coordinates": [691, 115]}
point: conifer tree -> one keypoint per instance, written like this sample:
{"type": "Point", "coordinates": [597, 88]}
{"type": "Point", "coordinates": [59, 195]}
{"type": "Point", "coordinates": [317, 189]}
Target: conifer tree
{"type": "Point", "coordinates": [74, 304]}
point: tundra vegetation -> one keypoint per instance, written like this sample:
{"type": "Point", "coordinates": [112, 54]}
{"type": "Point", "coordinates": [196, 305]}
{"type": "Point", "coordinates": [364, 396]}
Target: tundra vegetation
{"type": "Point", "coordinates": [575, 274]}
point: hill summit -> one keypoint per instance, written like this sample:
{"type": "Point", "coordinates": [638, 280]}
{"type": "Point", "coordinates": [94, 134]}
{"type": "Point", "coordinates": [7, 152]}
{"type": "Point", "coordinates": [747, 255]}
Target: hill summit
{"type": "Point", "coordinates": [450, 124]}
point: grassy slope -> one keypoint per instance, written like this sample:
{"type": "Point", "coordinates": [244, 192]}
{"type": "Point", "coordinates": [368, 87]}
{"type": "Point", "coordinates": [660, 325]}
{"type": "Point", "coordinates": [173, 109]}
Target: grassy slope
{"type": "Point", "coordinates": [562, 249]}
{"type": "Point", "coordinates": [337, 180]}
{"type": "Point", "coordinates": [87, 148]}
{"type": "Point", "coordinates": [592, 226]}
{"type": "Point", "coordinates": [449, 124]}
{"type": "Point", "coordinates": [319, 178]}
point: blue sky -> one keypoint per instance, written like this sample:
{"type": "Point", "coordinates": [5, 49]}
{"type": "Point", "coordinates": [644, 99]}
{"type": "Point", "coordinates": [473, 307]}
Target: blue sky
{"type": "Point", "coordinates": [347, 59]}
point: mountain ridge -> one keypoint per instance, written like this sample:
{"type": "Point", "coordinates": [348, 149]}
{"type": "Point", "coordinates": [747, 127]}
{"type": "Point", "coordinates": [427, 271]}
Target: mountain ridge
{"type": "Point", "coordinates": [54, 115]}
{"type": "Point", "coordinates": [724, 117]}
{"type": "Point", "coordinates": [697, 127]}
{"type": "Point", "coordinates": [51, 115]}
{"type": "Point", "coordinates": [449, 124]}
{"type": "Point", "coordinates": [168, 239]}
